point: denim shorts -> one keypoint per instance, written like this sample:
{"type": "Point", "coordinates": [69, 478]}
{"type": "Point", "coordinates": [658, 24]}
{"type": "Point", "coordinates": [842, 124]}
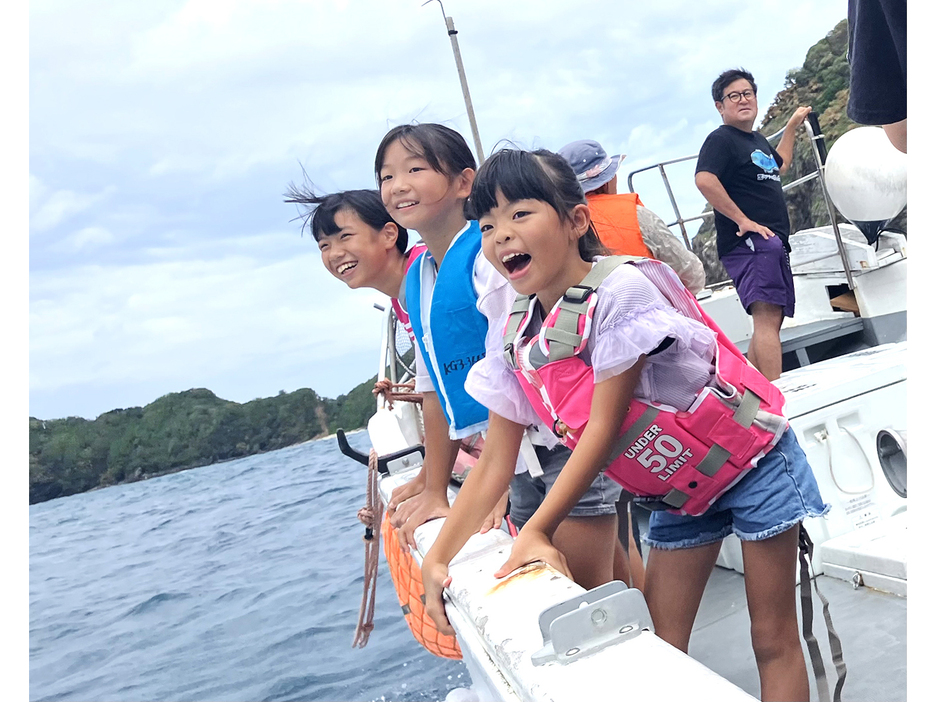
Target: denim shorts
{"type": "Point", "coordinates": [778, 493]}
{"type": "Point", "coordinates": [527, 492]}
{"type": "Point", "coordinates": [760, 270]}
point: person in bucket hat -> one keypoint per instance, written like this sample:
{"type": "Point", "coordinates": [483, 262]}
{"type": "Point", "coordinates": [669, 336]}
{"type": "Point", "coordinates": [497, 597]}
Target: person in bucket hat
{"type": "Point", "coordinates": [623, 224]}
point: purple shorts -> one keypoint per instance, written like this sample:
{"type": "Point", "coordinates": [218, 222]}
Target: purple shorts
{"type": "Point", "coordinates": [762, 274]}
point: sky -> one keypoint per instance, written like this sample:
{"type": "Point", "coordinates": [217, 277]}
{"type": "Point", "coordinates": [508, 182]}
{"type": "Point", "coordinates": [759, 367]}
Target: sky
{"type": "Point", "coordinates": [162, 136]}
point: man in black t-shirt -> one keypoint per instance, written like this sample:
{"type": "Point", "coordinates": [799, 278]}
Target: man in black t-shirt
{"type": "Point", "coordinates": [738, 172]}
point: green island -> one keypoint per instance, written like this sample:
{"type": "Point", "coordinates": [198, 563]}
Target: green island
{"type": "Point", "coordinates": [196, 428]}
{"type": "Point", "coordinates": [179, 431]}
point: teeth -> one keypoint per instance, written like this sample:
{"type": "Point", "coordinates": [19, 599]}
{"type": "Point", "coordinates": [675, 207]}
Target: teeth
{"type": "Point", "coordinates": [408, 203]}
{"type": "Point", "coordinates": [345, 266]}
{"type": "Point", "coordinates": [511, 256]}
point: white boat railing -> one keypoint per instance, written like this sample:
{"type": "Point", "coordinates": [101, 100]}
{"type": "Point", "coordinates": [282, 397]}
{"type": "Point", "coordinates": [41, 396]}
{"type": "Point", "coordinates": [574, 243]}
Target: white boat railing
{"type": "Point", "coordinates": [817, 145]}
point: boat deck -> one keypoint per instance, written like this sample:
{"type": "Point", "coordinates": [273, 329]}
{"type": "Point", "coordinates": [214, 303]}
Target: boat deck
{"type": "Point", "coordinates": [872, 626]}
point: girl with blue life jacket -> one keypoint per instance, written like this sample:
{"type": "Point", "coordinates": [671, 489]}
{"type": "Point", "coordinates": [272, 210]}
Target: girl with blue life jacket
{"type": "Point", "coordinates": [425, 173]}
{"type": "Point", "coordinates": [617, 357]}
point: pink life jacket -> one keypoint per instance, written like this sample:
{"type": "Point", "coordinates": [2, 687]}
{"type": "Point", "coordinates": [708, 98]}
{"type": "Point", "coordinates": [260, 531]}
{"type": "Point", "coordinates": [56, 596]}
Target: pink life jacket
{"type": "Point", "coordinates": [398, 302]}
{"type": "Point", "coordinates": [669, 459]}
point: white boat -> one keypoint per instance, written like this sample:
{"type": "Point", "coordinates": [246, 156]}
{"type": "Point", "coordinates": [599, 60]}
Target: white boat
{"type": "Point", "coordinates": [536, 635]}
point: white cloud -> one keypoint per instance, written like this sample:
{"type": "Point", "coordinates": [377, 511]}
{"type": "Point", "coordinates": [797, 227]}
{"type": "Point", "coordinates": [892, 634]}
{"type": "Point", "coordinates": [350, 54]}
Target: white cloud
{"type": "Point", "coordinates": [187, 319]}
{"type": "Point", "coordinates": [49, 209]}
{"type": "Point", "coordinates": [88, 237]}
{"type": "Point", "coordinates": [202, 111]}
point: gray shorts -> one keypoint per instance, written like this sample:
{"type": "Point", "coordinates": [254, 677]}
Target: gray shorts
{"type": "Point", "coordinates": [527, 492]}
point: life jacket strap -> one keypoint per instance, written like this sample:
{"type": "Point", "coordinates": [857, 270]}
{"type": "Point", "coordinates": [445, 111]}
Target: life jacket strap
{"type": "Point", "coordinates": [563, 336]}
{"type": "Point", "coordinates": [714, 459]}
{"type": "Point", "coordinates": [674, 499]}
{"type": "Point", "coordinates": [521, 306]}
{"type": "Point", "coordinates": [630, 436]}
{"type": "Point", "coordinates": [806, 605]}
{"type": "Point", "coordinates": [747, 409]}
{"type": "Point", "coordinates": [744, 415]}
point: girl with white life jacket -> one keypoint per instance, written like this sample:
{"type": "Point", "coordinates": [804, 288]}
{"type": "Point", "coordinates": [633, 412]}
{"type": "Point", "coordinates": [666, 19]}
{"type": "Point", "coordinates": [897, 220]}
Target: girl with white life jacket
{"type": "Point", "coordinates": [425, 173]}
{"type": "Point", "coordinates": [634, 376]}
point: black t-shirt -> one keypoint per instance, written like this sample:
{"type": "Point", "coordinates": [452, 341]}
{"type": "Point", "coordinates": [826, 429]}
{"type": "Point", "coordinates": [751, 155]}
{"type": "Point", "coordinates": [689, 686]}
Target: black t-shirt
{"type": "Point", "coordinates": [749, 169]}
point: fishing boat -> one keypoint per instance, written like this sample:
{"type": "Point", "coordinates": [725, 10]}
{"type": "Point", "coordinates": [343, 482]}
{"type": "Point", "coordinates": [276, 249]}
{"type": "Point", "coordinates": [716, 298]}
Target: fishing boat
{"type": "Point", "coordinates": [536, 635]}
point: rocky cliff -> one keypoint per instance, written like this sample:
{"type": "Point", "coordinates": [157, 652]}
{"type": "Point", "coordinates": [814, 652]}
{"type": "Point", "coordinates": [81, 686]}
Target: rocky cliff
{"type": "Point", "coordinates": [822, 83]}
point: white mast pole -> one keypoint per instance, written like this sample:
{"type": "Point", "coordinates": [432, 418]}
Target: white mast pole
{"type": "Point", "coordinates": [452, 32]}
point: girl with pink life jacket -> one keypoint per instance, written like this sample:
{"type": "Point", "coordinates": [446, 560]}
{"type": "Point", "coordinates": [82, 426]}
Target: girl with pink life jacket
{"type": "Point", "coordinates": [360, 243]}
{"type": "Point", "coordinates": [425, 172]}
{"type": "Point", "coordinates": [617, 357]}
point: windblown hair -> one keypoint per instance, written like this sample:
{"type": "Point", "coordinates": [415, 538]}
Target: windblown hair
{"type": "Point", "coordinates": [533, 175]}
{"type": "Point", "coordinates": [320, 211]}
{"type": "Point", "coordinates": [444, 149]}
{"type": "Point", "coordinates": [729, 77]}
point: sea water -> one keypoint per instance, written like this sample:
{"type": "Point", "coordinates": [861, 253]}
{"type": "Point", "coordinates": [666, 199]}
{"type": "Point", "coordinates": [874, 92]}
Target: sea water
{"type": "Point", "coordinates": [240, 581]}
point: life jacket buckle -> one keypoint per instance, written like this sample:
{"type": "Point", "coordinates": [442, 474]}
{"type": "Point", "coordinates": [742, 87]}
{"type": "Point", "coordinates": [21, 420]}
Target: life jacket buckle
{"type": "Point", "coordinates": [578, 293]}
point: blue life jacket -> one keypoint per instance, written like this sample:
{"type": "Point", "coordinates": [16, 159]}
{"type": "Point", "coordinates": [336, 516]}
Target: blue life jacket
{"type": "Point", "coordinates": [458, 330]}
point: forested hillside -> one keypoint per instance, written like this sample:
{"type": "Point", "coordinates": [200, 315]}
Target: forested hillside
{"type": "Point", "coordinates": [178, 431]}
{"type": "Point", "coordinates": [822, 83]}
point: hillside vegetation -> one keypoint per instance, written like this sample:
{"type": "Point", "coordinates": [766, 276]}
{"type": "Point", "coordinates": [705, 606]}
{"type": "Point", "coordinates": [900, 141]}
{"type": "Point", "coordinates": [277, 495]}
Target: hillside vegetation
{"type": "Point", "coordinates": [178, 431]}
{"type": "Point", "coordinates": [822, 83]}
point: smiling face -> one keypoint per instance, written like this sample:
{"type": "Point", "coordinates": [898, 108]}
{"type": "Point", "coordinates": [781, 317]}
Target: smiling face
{"type": "Point", "coordinates": [421, 198]}
{"type": "Point", "coordinates": [358, 254]}
{"type": "Point", "coordinates": [742, 114]}
{"type": "Point", "coordinates": [534, 248]}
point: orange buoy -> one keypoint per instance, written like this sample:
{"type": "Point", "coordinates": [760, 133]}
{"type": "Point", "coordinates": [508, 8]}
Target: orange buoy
{"type": "Point", "coordinates": [407, 579]}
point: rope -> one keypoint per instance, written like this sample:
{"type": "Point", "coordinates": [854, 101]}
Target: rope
{"type": "Point", "coordinates": [385, 388]}
{"type": "Point", "coordinates": [371, 516]}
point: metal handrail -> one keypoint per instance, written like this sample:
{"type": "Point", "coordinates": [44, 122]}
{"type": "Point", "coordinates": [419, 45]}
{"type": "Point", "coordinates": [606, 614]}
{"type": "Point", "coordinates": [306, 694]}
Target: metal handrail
{"type": "Point", "coordinates": [818, 173]}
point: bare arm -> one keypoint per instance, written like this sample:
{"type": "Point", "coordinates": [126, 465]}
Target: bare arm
{"type": "Point", "coordinates": [485, 485]}
{"type": "Point", "coordinates": [441, 452]}
{"type": "Point", "coordinates": [897, 133]}
{"type": "Point", "coordinates": [609, 405]}
{"type": "Point", "coordinates": [785, 147]}
{"type": "Point", "coordinates": [713, 191]}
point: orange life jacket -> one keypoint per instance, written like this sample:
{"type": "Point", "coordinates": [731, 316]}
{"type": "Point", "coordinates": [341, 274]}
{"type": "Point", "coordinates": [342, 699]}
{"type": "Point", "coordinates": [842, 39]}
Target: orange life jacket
{"type": "Point", "coordinates": [615, 220]}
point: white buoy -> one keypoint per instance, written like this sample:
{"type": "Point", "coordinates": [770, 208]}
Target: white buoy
{"type": "Point", "coordinates": [866, 178]}
{"type": "Point", "coordinates": [462, 694]}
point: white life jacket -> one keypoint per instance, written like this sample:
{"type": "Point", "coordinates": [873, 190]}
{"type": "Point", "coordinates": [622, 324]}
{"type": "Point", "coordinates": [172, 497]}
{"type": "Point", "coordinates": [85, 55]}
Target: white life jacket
{"type": "Point", "coordinates": [669, 459]}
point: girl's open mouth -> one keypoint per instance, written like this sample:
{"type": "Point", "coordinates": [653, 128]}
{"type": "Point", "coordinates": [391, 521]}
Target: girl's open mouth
{"type": "Point", "coordinates": [516, 261]}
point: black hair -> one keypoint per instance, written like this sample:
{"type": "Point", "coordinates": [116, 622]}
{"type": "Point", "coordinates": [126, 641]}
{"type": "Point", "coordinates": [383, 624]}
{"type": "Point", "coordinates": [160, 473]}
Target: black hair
{"type": "Point", "coordinates": [445, 150]}
{"type": "Point", "coordinates": [729, 77]}
{"type": "Point", "coordinates": [320, 211]}
{"type": "Point", "coordinates": [533, 175]}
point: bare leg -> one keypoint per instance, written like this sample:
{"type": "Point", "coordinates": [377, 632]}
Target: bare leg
{"type": "Point", "coordinates": [770, 586]}
{"type": "Point", "coordinates": [628, 565]}
{"type": "Point", "coordinates": [897, 133]}
{"type": "Point", "coordinates": [675, 582]}
{"type": "Point", "coordinates": [765, 352]}
{"type": "Point", "coordinates": [638, 572]}
{"type": "Point", "coordinates": [622, 567]}
{"type": "Point", "coordinates": [588, 546]}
